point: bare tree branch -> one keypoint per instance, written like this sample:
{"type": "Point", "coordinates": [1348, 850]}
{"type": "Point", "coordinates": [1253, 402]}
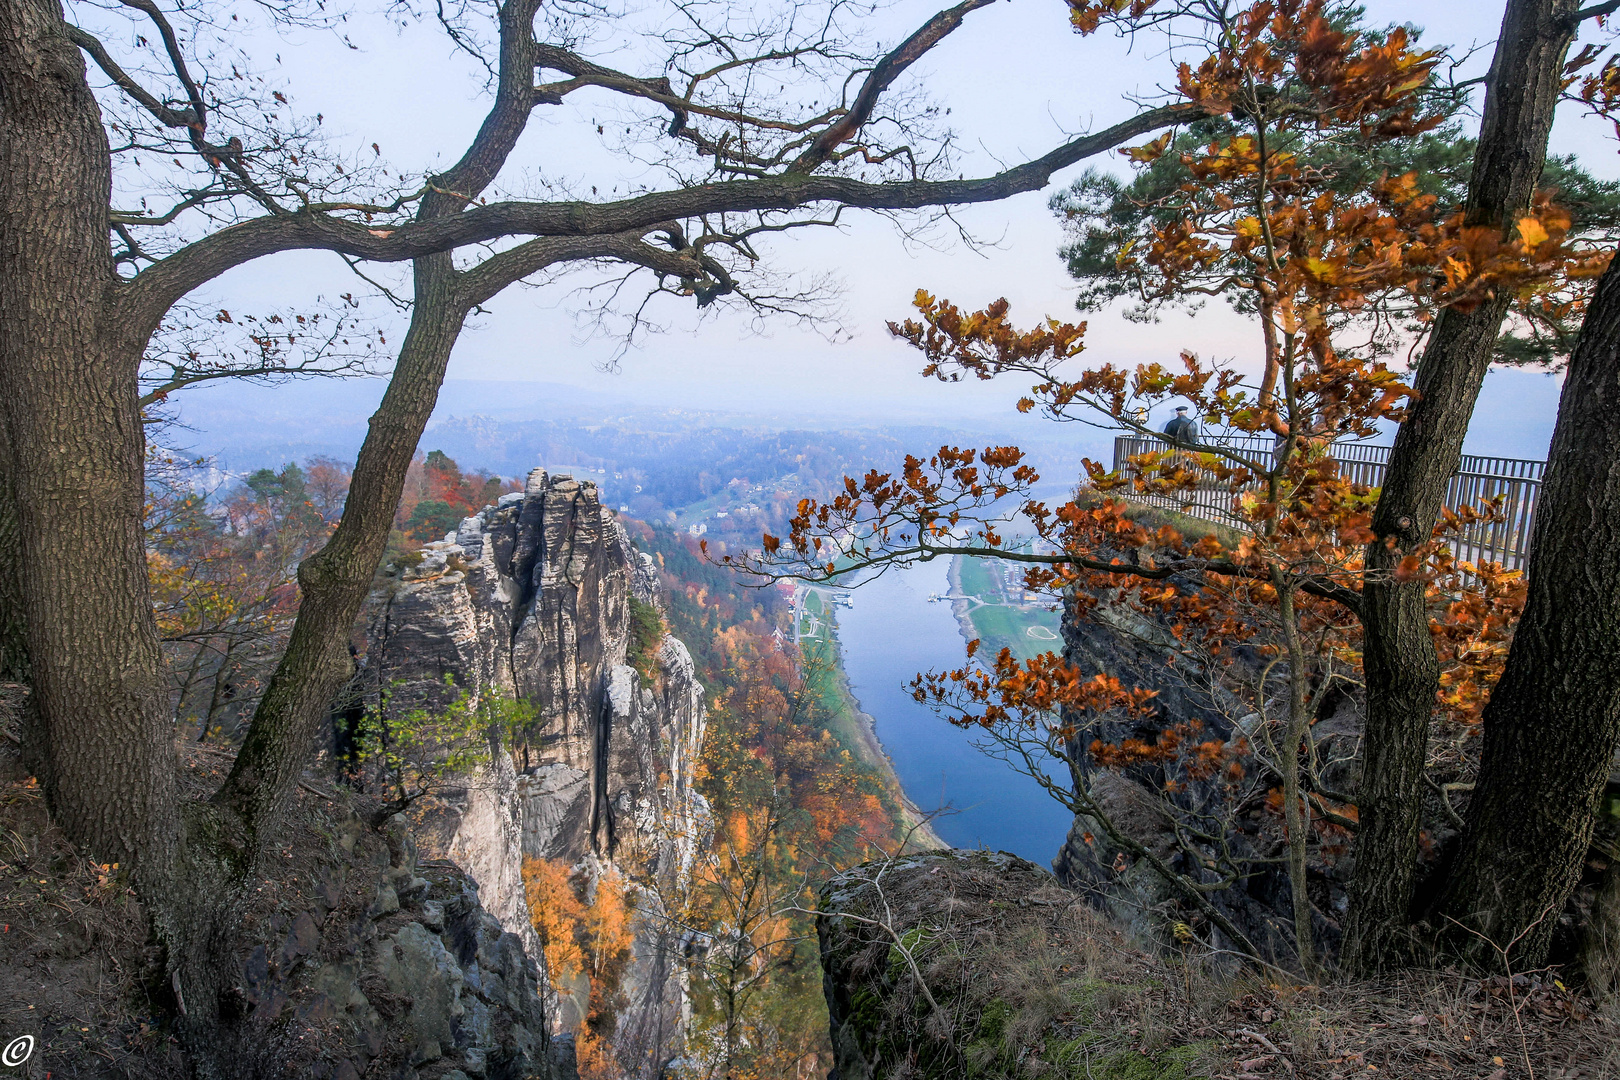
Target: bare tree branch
{"type": "Point", "coordinates": [159, 286]}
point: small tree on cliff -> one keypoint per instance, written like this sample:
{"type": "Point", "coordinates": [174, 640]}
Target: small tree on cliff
{"type": "Point", "coordinates": [1264, 213]}
{"type": "Point", "coordinates": [86, 285]}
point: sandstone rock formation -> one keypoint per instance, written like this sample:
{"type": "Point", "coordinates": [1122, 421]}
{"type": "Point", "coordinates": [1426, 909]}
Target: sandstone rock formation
{"type": "Point", "coordinates": [531, 598]}
{"type": "Point", "coordinates": [978, 963]}
{"type": "Point", "coordinates": [390, 966]}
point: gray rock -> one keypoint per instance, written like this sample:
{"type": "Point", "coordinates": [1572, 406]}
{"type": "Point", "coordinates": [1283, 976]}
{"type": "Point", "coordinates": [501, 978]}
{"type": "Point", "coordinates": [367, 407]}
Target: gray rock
{"type": "Point", "coordinates": [415, 964]}
{"type": "Point", "coordinates": [387, 902]}
{"type": "Point", "coordinates": [532, 600]}
{"type": "Point", "coordinates": [556, 812]}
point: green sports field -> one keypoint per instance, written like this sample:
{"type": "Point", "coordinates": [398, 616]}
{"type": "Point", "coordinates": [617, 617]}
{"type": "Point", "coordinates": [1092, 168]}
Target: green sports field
{"type": "Point", "coordinates": [1003, 619]}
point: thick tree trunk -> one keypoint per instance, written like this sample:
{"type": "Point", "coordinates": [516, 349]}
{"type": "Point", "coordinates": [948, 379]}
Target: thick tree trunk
{"type": "Point", "coordinates": [67, 389]}
{"type": "Point", "coordinates": [333, 582]}
{"type": "Point", "coordinates": [1554, 718]}
{"type": "Point", "coordinates": [1402, 671]}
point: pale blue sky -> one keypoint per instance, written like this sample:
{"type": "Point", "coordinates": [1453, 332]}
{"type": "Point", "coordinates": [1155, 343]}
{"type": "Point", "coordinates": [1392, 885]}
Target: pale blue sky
{"type": "Point", "coordinates": [1015, 78]}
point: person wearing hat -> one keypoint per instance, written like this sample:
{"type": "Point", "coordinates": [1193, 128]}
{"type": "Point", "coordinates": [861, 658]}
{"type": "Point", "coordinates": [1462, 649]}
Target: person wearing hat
{"type": "Point", "coordinates": [1182, 430]}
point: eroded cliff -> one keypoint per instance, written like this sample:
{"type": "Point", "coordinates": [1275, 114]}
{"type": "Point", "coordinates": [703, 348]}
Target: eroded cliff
{"type": "Point", "coordinates": [531, 599]}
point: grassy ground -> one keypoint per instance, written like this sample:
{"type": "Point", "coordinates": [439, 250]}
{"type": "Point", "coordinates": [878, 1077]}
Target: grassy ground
{"type": "Point", "coordinates": [1007, 627]}
{"type": "Point", "coordinates": [824, 674]}
{"type": "Point", "coordinates": [1004, 620]}
{"type": "Point", "coordinates": [979, 580]}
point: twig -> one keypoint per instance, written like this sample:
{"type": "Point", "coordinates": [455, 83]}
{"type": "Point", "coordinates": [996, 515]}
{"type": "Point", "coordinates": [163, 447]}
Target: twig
{"type": "Point", "coordinates": [179, 998]}
{"type": "Point", "coordinates": [1507, 966]}
{"type": "Point", "coordinates": [887, 929]}
{"type": "Point", "coordinates": [1269, 1045]}
{"type": "Point", "coordinates": [313, 790]}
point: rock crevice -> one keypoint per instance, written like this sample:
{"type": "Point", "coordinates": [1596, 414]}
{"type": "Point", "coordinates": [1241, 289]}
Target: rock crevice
{"type": "Point", "coordinates": [530, 599]}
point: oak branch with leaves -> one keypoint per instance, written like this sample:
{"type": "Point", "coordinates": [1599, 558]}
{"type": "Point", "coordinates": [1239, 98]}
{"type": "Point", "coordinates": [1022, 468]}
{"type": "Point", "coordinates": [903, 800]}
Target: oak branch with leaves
{"type": "Point", "coordinates": [1329, 274]}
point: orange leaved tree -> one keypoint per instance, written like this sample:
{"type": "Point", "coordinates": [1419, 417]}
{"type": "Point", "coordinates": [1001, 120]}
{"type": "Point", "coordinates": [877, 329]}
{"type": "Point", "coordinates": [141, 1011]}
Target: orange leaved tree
{"type": "Point", "coordinates": [1267, 616]}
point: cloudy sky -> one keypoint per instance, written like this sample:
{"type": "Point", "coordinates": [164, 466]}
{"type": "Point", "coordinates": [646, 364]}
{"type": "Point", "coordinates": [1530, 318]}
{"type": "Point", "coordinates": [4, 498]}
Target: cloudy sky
{"type": "Point", "coordinates": [1017, 82]}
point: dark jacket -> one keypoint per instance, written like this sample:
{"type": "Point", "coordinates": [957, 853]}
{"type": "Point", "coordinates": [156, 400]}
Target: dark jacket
{"type": "Point", "coordinates": [1182, 430]}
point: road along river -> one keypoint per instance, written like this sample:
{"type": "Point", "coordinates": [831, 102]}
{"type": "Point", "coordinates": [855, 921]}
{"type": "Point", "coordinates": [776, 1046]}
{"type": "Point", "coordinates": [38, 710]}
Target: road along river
{"type": "Point", "coordinates": [890, 634]}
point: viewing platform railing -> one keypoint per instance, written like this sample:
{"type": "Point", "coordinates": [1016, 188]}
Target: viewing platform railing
{"type": "Point", "coordinates": [1477, 479]}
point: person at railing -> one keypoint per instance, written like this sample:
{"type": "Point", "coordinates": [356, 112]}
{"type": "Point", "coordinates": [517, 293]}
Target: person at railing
{"type": "Point", "coordinates": [1182, 430]}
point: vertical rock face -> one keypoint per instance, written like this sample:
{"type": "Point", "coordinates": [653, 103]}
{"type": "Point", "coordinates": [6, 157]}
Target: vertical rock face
{"type": "Point", "coordinates": [531, 598]}
{"type": "Point", "coordinates": [1119, 641]}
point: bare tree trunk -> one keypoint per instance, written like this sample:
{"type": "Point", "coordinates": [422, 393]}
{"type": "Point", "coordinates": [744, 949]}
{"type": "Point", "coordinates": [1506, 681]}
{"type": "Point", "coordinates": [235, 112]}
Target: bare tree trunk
{"type": "Point", "coordinates": [67, 388]}
{"type": "Point", "coordinates": [333, 582]}
{"type": "Point", "coordinates": [1402, 670]}
{"type": "Point", "coordinates": [13, 627]}
{"type": "Point", "coordinates": [1553, 720]}
{"type": "Point", "coordinates": [216, 696]}
{"type": "Point", "coordinates": [14, 666]}
{"type": "Point", "coordinates": [1295, 730]}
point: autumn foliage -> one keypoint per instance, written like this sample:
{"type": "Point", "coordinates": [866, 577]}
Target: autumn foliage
{"type": "Point", "coordinates": [1267, 206]}
{"type": "Point", "coordinates": [790, 803]}
{"type": "Point", "coordinates": [222, 566]}
{"type": "Point", "coordinates": [438, 495]}
{"type": "Point", "coordinates": [583, 918]}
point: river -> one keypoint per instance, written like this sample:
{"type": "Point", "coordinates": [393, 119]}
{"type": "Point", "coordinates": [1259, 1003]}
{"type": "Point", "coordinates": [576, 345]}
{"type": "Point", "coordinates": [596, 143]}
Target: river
{"type": "Point", "coordinates": [891, 633]}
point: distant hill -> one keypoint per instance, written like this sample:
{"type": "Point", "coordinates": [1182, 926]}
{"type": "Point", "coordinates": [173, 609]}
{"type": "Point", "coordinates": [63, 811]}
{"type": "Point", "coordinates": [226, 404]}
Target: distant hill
{"type": "Point", "coordinates": [735, 472]}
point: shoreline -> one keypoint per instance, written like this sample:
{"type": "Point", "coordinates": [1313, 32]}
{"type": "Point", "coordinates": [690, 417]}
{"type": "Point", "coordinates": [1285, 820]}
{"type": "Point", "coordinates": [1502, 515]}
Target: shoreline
{"type": "Point", "coordinates": [922, 834]}
{"type": "Point", "coordinates": [961, 609]}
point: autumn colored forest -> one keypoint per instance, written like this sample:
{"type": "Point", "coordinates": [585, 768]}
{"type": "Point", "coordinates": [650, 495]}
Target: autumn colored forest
{"type": "Point", "coordinates": [1334, 714]}
{"type": "Point", "coordinates": [790, 805]}
{"type": "Point", "coordinates": [222, 564]}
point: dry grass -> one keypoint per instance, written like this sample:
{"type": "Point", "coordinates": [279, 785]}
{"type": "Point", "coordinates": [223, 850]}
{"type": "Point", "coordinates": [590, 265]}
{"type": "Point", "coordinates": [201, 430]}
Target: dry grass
{"type": "Point", "coordinates": [1028, 980]}
{"type": "Point", "coordinates": [1031, 983]}
{"type": "Point", "coordinates": [1437, 1024]}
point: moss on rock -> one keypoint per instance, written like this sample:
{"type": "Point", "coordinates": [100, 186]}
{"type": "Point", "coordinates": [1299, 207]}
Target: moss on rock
{"type": "Point", "coordinates": [1025, 980]}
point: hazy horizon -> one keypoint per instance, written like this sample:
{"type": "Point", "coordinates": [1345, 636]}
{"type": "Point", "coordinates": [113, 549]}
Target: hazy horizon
{"type": "Point", "coordinates": [528, 349]}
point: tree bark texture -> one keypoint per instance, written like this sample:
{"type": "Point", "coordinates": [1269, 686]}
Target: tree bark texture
{"type": "Point", "coordinates": [333, 582]}
{"type": "Point", "coordinates": [1553, 720]}
{"type": "Point", "coordinates": [1401, 667]}
{"type": "Point", "coordinates": [68, 393]}
{"type": "Point", "coordinates": [13, 627]}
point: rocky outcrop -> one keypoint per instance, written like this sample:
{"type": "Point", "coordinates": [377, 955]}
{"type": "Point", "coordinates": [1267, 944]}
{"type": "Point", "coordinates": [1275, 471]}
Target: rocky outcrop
{"type": "Point", "coordinates": [389, 966]}
{"type": "Point", "coordinates": [977, 963]}
{"type": "Point", "coordinates": [1115, 639]}
{"type": "Point", "coordinates": [530, 599]}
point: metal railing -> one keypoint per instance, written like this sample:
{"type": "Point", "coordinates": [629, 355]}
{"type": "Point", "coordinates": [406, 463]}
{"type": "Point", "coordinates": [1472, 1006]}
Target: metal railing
{"type": "Point", "coordinates": [1478, 479]}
